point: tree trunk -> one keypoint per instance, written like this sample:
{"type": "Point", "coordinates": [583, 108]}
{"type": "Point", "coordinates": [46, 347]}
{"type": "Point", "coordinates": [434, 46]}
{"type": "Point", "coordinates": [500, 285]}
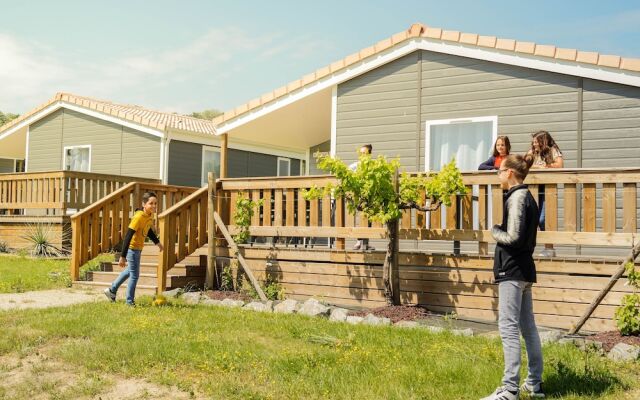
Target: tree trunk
{"type": "Point", "coordinates": [388, 261]}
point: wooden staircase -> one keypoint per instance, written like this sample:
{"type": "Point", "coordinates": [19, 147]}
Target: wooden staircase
{"type": "Point", "coordinates": [189, 272]}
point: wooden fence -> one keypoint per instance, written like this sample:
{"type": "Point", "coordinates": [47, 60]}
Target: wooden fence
{"type": "Point", "coordinates": [583, 208]}
{"type": "Point", "coordinates": [57, 191]}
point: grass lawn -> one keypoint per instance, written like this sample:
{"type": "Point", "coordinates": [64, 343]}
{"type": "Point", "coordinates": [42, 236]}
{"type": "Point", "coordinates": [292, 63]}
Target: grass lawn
{"type": "Point", "coordinates": [236, 354]}
{"type": "Point", "coordinates": [22, 274]}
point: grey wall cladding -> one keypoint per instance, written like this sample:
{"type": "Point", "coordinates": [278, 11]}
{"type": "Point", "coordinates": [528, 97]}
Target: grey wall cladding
{"type": "Point", "coordinates": [185, 164]}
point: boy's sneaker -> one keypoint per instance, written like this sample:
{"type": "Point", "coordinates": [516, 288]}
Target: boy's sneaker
{"type": "Point", "coordinates": [110, 295]}
{"type": "Point", "coordinates": [533, 391]}
{"type": "Point", "coordinates": [501, 393]}
{"type": "Point", "coordinates": [131, 305]}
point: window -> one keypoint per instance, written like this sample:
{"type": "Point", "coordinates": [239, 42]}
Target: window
{"type": "Point", "coordinates": [210, 162]}
{"type": "Point", "coordinates": [468, 140]}
{"type": "Point", "coordinates": [77, 158]}
{"type": "Point", "coordinates": [19, 166]}
{"type": "Point", "coordinates": [284, 166]}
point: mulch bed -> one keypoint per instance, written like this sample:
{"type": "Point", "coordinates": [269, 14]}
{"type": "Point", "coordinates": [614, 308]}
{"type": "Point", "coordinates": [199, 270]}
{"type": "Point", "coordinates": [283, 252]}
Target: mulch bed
{"type": "Point", "coordinates": [610, 339]}
{"type": "Point", "coordinates": [396, 313]}
{"type": "Point", "coordinates": [221, 295]}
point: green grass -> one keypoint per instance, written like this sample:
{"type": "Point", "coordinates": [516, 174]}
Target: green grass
{"type": "Point", "coordinates": [234, 354]}
{"type": "Point", "coordinates": [22, 274]}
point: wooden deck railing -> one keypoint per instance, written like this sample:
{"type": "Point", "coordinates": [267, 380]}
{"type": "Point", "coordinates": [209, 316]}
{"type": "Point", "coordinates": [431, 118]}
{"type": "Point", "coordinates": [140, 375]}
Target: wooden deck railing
{"type": "Point", "coordinates": [595, 207]}
{"type": "Point", "coordinates": [101, 226]}
{"type": "Point", "coordinates": [57, 191]}
{"type": "Point", "coordinates": [183, 229]}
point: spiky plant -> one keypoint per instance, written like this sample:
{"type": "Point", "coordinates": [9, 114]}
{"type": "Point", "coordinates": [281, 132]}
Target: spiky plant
{"type": "Point", "coordinates": [41, 237]}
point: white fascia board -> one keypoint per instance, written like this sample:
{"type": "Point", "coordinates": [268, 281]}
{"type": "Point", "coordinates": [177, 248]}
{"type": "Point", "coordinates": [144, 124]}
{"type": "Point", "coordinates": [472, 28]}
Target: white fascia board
{"type": "Point", "coordinates": [61, 104]}
{"type": "Point", "coordinates": [334, 121]}
{"type": "Point", "coordinates": [505, 57]}
{"type": "Point", "coordinates": [212, 140]}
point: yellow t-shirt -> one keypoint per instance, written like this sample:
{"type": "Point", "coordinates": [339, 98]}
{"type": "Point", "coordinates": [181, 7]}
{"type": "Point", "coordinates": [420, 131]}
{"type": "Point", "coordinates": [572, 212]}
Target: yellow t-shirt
{"type": "Point", "coordinates": [141, 223]}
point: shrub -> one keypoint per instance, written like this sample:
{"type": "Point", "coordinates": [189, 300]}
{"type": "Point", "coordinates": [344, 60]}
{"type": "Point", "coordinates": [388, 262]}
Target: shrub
{"type": "Point", "coordinates": [41, 237]}
{"type": "Point", "coordinates": [628, 314]}
{"type": "Point", "coordinates": [4, 247]}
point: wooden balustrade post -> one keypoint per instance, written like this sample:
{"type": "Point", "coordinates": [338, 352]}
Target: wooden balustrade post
{"type": "Point", "coordinates": [210, 277]}
{"type": "Point", "coordinates": [137, 199]}
{"type": "Point", "coordinates": [76, 248]}
{"type": "Point", "coordinates": [165, 254]}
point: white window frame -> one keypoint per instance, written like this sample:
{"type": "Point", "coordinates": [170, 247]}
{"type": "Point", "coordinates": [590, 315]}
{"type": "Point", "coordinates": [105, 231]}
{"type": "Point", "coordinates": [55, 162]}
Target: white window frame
{"type": "Point", "coordinates": [288, 160]}
{"type": "Point", "coordinates": [429, 124]}
{"type": "Point", "coordinates": [303, 167]}
{"type": "Point", "coordinates": [203, 178]}
{"type": "Point", "coordinates": [80, 146]}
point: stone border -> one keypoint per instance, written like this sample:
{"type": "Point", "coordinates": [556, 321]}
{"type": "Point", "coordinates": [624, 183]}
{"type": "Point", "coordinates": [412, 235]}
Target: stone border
{"type": "Point", "coordinates": [621, 352]}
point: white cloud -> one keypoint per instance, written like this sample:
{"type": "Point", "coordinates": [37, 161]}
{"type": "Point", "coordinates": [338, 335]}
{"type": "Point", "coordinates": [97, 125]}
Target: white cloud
{"type": "Point", "coordinates": [172, 78]}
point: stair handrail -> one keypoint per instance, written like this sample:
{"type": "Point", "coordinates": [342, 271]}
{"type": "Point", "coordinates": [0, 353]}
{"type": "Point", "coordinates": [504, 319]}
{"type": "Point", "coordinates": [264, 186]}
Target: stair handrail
{"type": "Point", "coordinates": [182, 230]}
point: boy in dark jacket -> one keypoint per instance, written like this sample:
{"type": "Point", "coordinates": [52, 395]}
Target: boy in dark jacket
{"type": "Point", "coordinates": [515, 272]}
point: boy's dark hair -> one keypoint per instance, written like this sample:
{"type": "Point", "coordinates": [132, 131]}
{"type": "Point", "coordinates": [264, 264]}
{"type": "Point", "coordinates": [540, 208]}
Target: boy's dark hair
{"type": "Point", "coordinates": [368, 147]}
{"type": "Point", "coordinates": [147, 195]}
{"type": "Point", "coordinates": [507, 145]}
{"type": "Point", "coordinates": [518, 164]}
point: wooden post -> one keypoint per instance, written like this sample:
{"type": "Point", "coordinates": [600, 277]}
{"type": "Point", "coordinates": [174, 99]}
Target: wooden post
{"type": "Point", "coordinates": [236, 251]}
{"type": "Point", "coordinates": [210, 275]}
{"type": "Point", "coordinates": [223, 156]}
{"type": "Point", "coordinates": [395, 268]}
{"type": "Point", "coordinates": [76, 236]}
{"type": "Point", "coordinates": [163, 257]}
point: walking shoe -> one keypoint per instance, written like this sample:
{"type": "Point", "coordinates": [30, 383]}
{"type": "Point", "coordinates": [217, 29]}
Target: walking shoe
{"type": "Point", "coordinates": [110, 295]}
{"type": "Point", "coordinates": [548, 253]}
{"type": "Point", "coordinates": [533, 391]}
{"type": "Point", "coordinates": [501, 393]}
{"type": "Point", "coordinates": [131, 304]}
{"type": "Point", "coordinates": [357, 245]}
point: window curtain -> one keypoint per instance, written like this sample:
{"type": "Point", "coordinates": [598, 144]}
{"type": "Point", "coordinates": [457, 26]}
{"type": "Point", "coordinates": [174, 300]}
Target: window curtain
{"type": "Point", "coordinates": [78, 159]}
{"type": "Point", "coordinates": [469, 142]}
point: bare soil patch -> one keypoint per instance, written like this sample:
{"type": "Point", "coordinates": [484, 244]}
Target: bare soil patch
{"type": "Point", "coordinates": [396, 313]}
{"type": "Point", "coordinates": [611, 338]}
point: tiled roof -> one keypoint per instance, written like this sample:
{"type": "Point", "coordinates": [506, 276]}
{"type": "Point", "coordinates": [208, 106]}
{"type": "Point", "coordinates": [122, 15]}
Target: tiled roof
{"type": "Point", "coordinates": [420, 30]}
{"type": "Point", "coordinates": [136, 114]}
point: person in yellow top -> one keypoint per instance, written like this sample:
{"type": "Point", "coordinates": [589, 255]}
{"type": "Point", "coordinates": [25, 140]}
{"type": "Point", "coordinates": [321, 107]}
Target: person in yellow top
{"type": "Point", "coordinates": [139, 228]}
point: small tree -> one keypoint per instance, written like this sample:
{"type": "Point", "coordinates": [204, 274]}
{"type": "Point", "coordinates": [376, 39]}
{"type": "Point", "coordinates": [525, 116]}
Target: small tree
{"type": "Point", "coordinates": [375, 189]}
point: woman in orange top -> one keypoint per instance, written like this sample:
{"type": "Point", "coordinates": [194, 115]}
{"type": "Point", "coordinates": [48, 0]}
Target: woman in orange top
{"type": "Point", "coordinates": [501, 150]}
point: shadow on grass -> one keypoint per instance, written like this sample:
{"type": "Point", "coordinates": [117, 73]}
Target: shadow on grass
{"type": "Point", "coordinates": [588, 381]}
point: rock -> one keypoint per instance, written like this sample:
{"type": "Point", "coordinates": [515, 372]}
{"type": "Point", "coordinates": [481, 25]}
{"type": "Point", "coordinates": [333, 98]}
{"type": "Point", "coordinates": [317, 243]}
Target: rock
{"type": "Point", "coordinates": [578, 342]}
{"type": "Point", "coordinates": [491, 335]}
{"type": "Point", "coordinates": [172, 293]}
{"type": "Point", "coordinates": [550, 336]}
{"type": "Point", "coordinates": [286, 307]}
{"type": "Point", "coordinates": [624, 352]}
{"type": "Point", "coordinates": [232, 303]}
{"type": "Point", "coordinates": [259, 306]}
{"type": "Point", "coordinates": [211, 302]}
{"type": "Point", "coordinates": [593, 345]}
{"type": "Point", "coordinates": [353, 320]}
{"type": "Point", "coordinates": [191, 297]}
{"type": "Point", "coordinates": [463, 332]}
{"type": "Point", "coordinates": [407, 324]}
{"type": "Point", "coordinates": [338, 314]}
{"type": "Point", "coordinates": [434, 329]}
{"type": "Point", "coordinates": [313, 308]}
{"type": "Point", "coordinates": [371, 319]}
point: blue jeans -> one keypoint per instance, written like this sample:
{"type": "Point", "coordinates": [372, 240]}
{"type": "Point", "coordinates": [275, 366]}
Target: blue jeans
{"type": "Point", "coordinates": [131, 272]}
{"type": "Point", "coordinates": [515, 316]}
{"type": "Point", "coordinates": [541, 207]}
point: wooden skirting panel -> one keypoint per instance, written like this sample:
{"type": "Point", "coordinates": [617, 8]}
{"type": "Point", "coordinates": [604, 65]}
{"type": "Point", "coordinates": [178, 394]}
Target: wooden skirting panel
{"type": "Point", "coordinates": [443, 283]}
{"type": "Point", "coordinates": [13, 229]}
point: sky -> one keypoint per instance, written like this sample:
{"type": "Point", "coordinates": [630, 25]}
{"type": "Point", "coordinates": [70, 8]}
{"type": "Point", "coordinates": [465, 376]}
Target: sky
{"type": "Point", "coordinates": [188, 55]}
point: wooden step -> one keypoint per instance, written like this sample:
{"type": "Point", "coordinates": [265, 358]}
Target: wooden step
{"type": "Point", "coordinates": [152, 268]}
{"type": "Point", "coordinates": [140, 289]}
{"type": "Point", "coordinates": [173, 281]}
